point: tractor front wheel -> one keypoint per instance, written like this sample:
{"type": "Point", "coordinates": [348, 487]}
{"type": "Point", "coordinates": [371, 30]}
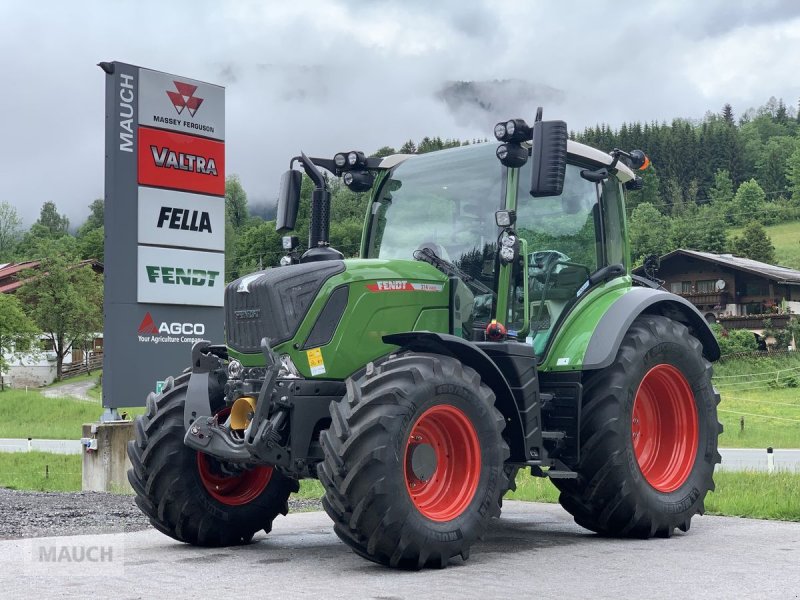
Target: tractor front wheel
{"type": "Point", "coordinates": [413, 468]}
{"type": "Point", "coordinates": [191, 496]}
{"type": "Point", "coordinates": [649, 434]}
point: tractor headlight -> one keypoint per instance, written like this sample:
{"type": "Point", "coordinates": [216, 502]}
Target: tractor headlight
{"type": "Point", "coordinates": [511, 127]}
{"type": "Point", "coordinates": [500, 131]}
{"type": "Point", "coordinates": [285, 261]}
{"type": "Point", "coordinates": [340, 160]}
{"type": "Point", "coordinates": [507, 254]}
{"type": "Point", "coordinates": [234, 369]}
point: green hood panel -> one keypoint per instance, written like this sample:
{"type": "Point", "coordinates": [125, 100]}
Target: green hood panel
{"type": "Point", "coordinates": [385, 296]}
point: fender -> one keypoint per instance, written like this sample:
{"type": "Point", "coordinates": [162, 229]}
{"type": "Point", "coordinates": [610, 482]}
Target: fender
{"type": "Point", "coordinates": [607, 336]}
{"type": "Point", "coordinates": [475, 358]}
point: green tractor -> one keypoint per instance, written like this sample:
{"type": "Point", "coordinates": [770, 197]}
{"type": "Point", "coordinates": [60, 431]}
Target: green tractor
{"type": "Point", "coordinates": [491, 323]}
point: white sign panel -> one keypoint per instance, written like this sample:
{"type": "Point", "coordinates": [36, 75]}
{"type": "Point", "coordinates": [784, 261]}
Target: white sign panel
{"type": "Point", "coordinates": [181, 104]}
{"type": "Point", "coordinates": [169, 218]}
{"type": "Point", "coordinates": [171, 276]}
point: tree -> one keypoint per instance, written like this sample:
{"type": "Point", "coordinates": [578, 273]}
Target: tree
{"type": "Point", "coordinates": [37, 243]}
{"type": "Point", "coordinates": [727, 114]}
{"type": "Point", "coordinates": [699, 228]}
{"type": "Point", "coordinates": [384, 151]}
{"type": "Point", "coordinates": [649, 232]}
{"type": "Point", "coordinates": [9, 231]}
{"type": "Point", "coordinates": [65, 301]}
{"type": "Point", "coordinates": [721, 191]}
{"type": "Point", "coordinates": [56, 224]}
{"type": "Point", "coordinates": [793, 174]}
{"type": "Point", "coordinates": [17, 331]}
{"type": "Point", "coordinates": [754, 243]}
{"type": "Point", "coordinates": [408, 148]}
{"type": "Point", "coordinates": [235, 202]}
{"type": "Point", "coordinates": [91, 244]}
{"type": "Point", "coordinates": [748, 202]}
{"type": "Point", "coordinates": [96, 218]}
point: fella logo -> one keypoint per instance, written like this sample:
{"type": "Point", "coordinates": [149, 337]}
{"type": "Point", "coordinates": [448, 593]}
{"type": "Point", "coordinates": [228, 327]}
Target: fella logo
{"type": "Point", "coordinates": [184, 98]}
{"type": "Point", "coordinates": [181, 162]}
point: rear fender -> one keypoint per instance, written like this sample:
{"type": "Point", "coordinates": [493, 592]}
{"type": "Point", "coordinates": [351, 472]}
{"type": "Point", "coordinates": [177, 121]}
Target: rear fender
{"type": "Point", "coordinates": [607, 337]}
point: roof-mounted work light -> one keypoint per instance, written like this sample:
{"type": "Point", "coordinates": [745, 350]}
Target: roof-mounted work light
{"type": "Point", "coordinates": [514, 130]}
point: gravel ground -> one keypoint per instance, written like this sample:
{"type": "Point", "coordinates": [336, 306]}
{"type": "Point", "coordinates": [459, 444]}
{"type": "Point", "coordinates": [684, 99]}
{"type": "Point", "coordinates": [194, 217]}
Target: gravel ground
{"type": "Point", "coordinates": [40, 514]}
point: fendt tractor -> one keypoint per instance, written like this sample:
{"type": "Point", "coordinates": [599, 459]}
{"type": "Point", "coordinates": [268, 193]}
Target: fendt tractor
{"type": "Point", "coordinates": [490, 323]}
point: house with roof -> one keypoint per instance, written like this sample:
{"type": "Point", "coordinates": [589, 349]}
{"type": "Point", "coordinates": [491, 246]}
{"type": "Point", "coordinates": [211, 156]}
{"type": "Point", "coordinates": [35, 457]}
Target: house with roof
{"type": "Point", "coordinates": [739, 293]}
{"type": "Point", "coordinates": [39, 368]}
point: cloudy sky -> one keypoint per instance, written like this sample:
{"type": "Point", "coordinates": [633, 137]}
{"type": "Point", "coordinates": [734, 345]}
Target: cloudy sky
{"type": "Point", "coordinates": [331, 75]}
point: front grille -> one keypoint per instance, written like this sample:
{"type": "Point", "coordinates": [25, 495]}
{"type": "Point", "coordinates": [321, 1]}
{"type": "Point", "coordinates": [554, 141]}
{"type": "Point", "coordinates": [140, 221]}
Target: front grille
{"type": "Point", "coordinates": [272, 303]}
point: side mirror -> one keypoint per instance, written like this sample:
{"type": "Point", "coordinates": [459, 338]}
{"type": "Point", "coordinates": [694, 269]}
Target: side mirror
{"type": "Point", "coordinates": [549, 154]}
{"type": "Point", "coordinates": [288, 201]}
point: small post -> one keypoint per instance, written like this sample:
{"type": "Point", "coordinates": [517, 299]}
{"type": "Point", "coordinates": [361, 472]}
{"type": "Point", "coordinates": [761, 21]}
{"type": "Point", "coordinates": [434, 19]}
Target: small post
{"type": "Point", "coordinates": [770, 460]}
{"type": "Point", "coordinates": [47, 471]}
{"type": "Point", "coordinates": [741, 425]}
{"type": "Point", "coordinates": [30, 444]}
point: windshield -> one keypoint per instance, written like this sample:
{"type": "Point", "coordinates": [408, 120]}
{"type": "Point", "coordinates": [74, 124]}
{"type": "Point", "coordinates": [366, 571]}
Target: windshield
{"type": "Point", "coordinates": [444, 201]}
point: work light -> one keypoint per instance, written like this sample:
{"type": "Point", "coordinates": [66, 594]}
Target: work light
{"type": "Point", "coordinates": [356, 160]}
{"type": "Point", "coordinates": [513, 130]}
{"type": "Point", "coordinates": [512, 155]}
{"type": "Point", "coordinates": [358, 181]}
{"type": "Point", "coordinates": [339, 160]}
{"type": "Point", "coordinates": [505, 218]}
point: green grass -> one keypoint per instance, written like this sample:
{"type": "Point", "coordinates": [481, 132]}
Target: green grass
{"type": "Point", "coordinates": [30, 414]}
{"type": "Point", "coordinates": [40, 471]}
{"type": "Point", "coordinates": [746, 494]}
{"type": "Point", "coordinates": [758, 391]}
{"type": "Point", "coordinates": [786, 239]}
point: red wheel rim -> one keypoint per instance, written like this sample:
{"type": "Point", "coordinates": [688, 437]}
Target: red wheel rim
{"type": "Point", "coordinates": [452, 485]}
{"type": "Point", "coordinates": [232, 490]}
{"type": "Point", "coordinates": [664, 428]}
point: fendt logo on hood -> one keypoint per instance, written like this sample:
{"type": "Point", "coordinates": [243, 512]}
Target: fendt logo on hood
{"type": "Point", "coordinates": [184, 98]}
{"type": "Point", "coordinates": [169, 332]}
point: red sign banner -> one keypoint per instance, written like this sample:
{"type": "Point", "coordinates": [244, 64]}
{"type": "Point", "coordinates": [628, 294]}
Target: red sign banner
{"type": "Point", "coordinates": [181, 162]}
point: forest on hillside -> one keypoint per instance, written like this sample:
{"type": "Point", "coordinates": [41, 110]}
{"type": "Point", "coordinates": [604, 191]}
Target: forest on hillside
{"type": "Point", "coordinates": [709, 178]}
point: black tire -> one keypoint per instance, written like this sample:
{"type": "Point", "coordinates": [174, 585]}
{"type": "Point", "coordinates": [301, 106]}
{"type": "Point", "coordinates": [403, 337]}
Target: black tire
{"type": "Point", "coordinates": [367, 493]}
{"type": "Point", "coordinates": [169, 489]}
{"type": "Point", "coordinates": [611, 495]}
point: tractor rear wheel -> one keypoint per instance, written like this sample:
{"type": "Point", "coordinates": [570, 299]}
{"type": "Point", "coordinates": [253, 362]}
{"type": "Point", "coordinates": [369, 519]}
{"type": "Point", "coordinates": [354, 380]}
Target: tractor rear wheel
{"type": "Point", "coordinates": [413, 468]}
{"type": "Point", "coordinates": [190, 496]}
{"type": "Point", "coordinates": [649, 434]}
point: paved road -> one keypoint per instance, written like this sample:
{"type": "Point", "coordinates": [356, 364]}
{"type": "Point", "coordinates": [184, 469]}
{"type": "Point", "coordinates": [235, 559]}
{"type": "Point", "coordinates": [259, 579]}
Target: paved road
{"type": "Point", "coordinates": [75, 389]}
{"type": "Point", "coordinates": [58, 446]}
{"type": "Point", "coordinates": [534, 551]}
{"type": "Point", "coordinates": [740, 459]}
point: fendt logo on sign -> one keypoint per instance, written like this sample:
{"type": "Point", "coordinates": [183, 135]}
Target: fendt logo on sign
{"type": "Point", "coordinates": [184, 98]}
{"type": "Point", "coordinates": [169, 333]}
{"type": "Point", "coordinates": [181, 162]}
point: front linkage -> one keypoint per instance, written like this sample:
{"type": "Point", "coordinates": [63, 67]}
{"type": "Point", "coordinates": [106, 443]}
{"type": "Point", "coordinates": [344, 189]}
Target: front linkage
{"type": "Point", "coordinates": [266, 424]}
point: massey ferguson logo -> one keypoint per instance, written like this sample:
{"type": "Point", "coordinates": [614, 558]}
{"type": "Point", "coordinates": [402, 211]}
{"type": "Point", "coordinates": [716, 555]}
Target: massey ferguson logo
{"type": "Point", "coordinates": [149, 331]}
{"type": "Point", "coordinates": [169, 159]}
{"type": "Point", "coordinates": [184, 98]}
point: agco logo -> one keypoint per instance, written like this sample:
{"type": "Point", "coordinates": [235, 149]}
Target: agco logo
{"type": "Point", "coordinates": [184, 98]}
{"type": "Point", "coordinates": [148, 327]}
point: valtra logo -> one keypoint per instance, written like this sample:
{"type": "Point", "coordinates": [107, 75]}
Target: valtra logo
{"type": "Point", "coordinates": [184, 98]}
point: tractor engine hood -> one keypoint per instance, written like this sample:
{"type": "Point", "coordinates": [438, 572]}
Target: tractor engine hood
{"type": "Point", "coordinates": [273, 303]}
